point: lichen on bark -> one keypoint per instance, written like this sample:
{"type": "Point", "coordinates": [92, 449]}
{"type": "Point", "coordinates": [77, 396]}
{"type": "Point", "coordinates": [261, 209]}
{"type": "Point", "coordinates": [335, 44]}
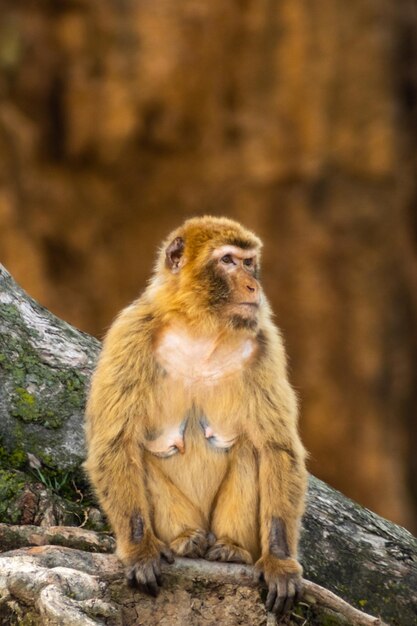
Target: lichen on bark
{"type": "Point", "coordinates": [45, 365]}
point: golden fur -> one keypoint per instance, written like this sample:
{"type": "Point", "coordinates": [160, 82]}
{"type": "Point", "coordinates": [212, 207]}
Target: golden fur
{"type": "Point", "coordinates": [205, 501]}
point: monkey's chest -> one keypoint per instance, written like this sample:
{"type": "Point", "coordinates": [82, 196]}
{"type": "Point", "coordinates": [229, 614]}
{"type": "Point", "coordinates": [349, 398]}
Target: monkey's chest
{"type": "Point", "coordinates": [201, 360]}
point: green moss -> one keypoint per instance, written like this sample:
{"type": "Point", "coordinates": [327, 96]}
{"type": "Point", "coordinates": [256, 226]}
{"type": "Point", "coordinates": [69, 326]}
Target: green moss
{"type": "Point", "coordinates": [39, 393]}
{"type": "Point", "coordinates": [316, 615]}
{"type": "Point", "coordinates": [11, 485]}
{"type": "Point", "coordinates": [14, 614]}
{"type": "Point", "coordinates": [25, 396]}
{"type": "Point", "coordinates": [66, 484]}
{"type": "Point", "coordinates": [10, 312]}
{"type": "Point", "coordinates": [29, 619]}
{"type": "Point", "coordinates": [26, 406]}
{"type": "Point", "coordinates": [46, 459]}
{"type": "Point", "coordinates": [15, 459]}
{"type": "Point", "coordinates": [30, 376]}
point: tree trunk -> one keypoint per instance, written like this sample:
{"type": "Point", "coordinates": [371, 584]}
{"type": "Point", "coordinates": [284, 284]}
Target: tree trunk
{"type": "Point", "coordinates": [44, 368]}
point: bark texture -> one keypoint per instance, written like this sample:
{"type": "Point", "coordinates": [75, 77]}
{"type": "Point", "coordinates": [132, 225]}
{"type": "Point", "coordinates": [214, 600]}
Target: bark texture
{"type": "Point", "coordinates": [45, 365]}
{"type": "Point", "coordinates": [360, 556]}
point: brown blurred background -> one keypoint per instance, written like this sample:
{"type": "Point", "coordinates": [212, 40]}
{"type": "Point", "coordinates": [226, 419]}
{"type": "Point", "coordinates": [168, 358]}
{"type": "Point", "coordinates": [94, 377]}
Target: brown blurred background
{"type": "Point", "coordinates": [119, 118]}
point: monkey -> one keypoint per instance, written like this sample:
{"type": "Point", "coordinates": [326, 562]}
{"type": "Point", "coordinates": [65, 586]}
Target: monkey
{"type": "Point", "coordinates": [191, 422]}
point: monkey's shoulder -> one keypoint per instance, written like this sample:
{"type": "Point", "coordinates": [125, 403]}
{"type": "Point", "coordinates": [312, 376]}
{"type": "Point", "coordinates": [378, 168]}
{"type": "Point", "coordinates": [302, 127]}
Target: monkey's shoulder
{"type": "Point", "coordinates": [139, 317]}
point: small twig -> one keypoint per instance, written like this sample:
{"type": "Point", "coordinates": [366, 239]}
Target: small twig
{"type": "Point", "coordinates": [78, 491]}
{"type": "Point", "coordinates": [329, 600]}
{"type": "Point", "coordinates": [85, 520]}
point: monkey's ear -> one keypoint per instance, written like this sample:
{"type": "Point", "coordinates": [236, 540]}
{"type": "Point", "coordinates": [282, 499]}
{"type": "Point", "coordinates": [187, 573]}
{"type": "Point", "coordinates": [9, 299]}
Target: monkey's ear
{"type": "Point", "coordinates": [174, 255]}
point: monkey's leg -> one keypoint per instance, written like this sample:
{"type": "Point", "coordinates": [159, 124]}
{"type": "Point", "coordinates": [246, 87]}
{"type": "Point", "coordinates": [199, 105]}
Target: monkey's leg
{"type": "Point", "coordinates": [282, 485]}
{"type": "Point", "coordinates": [235, 512]}
{"type": "Point", "coordinates": [177, 521]}
{"type": "Point", "coordinates": [116, 468]}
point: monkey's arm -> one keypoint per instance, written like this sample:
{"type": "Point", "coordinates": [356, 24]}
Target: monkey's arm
{"type": "Point", "coordinates": [282, 486]}
{"type": "Point", "coordinates": [115, 410]}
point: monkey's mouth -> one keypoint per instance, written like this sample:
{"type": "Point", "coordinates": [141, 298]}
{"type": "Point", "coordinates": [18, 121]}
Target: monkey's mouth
{"type": "Point", "coordinates": [245, 310]}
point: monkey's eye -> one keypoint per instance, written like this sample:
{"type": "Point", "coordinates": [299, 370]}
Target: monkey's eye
{"type": "Point", "coordinates": [248, 262]}
{"type": "Point", "coordinates": [226, 259]}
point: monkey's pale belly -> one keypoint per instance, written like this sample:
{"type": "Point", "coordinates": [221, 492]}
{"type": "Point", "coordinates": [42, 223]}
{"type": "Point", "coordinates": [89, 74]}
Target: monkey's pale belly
{"type": "Point", "coordinates": [172, 440]}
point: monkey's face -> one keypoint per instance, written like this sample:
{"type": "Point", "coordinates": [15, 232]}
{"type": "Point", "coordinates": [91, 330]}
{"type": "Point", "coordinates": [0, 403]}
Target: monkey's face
{"type": "Point", "coordinates": [219, 281]}
{"type": "Point", "coordinates": [233, 286]}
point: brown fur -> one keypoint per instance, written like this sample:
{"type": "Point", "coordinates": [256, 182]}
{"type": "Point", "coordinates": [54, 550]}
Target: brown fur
{"type": "Point", "coordinates": [135, 399]}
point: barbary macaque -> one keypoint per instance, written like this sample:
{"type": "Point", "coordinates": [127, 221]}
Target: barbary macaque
{"type": "Point", "coordinates": [193, 446]}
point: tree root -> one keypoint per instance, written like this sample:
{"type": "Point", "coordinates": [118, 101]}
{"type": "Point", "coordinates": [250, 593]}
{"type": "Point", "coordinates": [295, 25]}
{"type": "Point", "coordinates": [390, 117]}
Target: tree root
{"type": "Point", "coordinates": [13, 537]}
{"type": "Point", "coordinates": [68, 584]}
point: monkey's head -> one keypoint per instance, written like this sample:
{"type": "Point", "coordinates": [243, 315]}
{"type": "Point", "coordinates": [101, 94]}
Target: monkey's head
{"type": "Point", "coordinates": [209, 269]}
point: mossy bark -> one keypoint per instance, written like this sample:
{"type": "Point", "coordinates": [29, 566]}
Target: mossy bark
{"type": "Point", "coordinates": [45, 365]}
{"type": "Point", "coordinates": [365, 559]}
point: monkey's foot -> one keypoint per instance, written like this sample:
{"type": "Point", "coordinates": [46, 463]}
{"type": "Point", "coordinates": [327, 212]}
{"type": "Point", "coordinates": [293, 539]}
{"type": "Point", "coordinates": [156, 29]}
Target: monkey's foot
{"type": "Point", "coordinates": [192, 543]}
{"type": "Point", "coordinates": [227, 551]}
{"type": "Point", "coordinates": [144, 570]}
{"type": "Point", "coordinates": [283, 577]}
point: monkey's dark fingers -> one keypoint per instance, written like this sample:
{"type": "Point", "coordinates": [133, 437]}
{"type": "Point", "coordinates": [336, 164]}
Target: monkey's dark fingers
{"type": "Point", "coordinates": [168, 555]}
{"type": "Point", "coordinates": [192, 543]}
{"type": "Point", "coordinates": [131, 577]}
{"type": "Point", "coordinates": [282, 595]}
{"type": "Point", "coordinates": [226, 551]}
{"type": "Point", "coordinates": [157, 572]}
{"type": "Point", "coordinates": [298, 590]}
{"type": "Point", "coordinates": [271, 597]}
{"type": "Point", "coordinates": [144, 577]}
{"type": "Point", "coordinates": [290, 601]}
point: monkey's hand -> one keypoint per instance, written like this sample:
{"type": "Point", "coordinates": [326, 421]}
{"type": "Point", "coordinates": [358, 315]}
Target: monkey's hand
{"type": "Point", "coordinates": [143, 565]}
{"type": "Point", "coordinates": [283, 577]}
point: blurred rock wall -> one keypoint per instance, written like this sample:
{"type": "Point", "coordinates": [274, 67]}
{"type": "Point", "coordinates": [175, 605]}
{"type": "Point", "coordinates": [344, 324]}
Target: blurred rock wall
{"type": "Point", "coordinates": [119, 118]}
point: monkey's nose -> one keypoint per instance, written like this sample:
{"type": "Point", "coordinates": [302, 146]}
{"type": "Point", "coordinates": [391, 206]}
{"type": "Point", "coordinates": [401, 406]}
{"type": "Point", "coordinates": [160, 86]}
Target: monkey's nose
{"type": "Point", "coordinates": [253, 289]}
